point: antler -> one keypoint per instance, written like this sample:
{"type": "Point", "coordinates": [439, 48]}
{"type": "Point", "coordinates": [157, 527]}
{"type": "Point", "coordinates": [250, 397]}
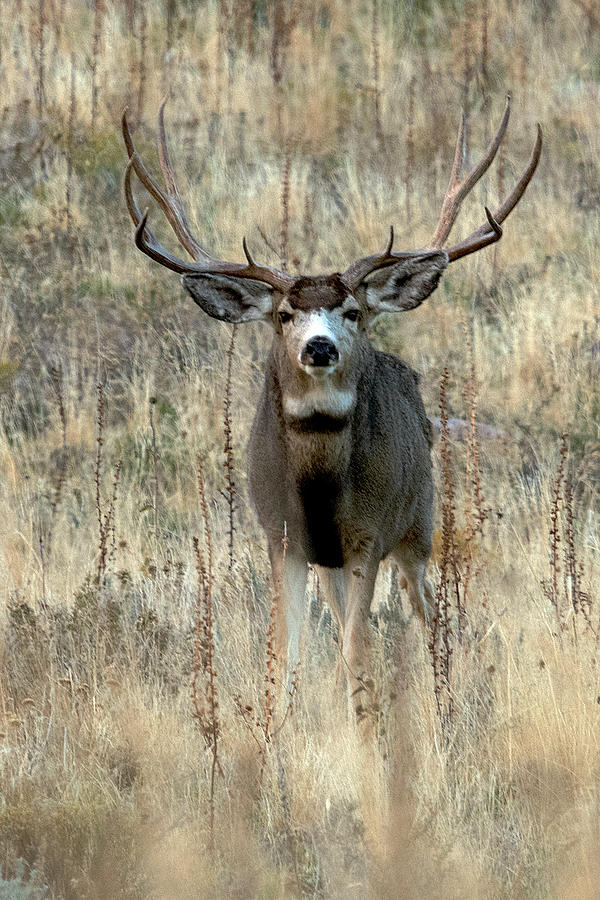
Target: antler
{"type": "Point", "coordinates": [456, 192]}
{"type": "Point", "coordinates": [491, 232]}
{"type": "Point", "coordinates": [171, 204]}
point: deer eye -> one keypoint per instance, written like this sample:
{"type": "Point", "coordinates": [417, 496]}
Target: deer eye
{"type": "Point", "coordinates": [351, 315]}
{"type": "Point", "coordinates": [285, 316]}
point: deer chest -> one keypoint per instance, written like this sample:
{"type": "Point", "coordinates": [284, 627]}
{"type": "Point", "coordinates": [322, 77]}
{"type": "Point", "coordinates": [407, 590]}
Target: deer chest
{"type": "Point", "coordinates": [320, 503]}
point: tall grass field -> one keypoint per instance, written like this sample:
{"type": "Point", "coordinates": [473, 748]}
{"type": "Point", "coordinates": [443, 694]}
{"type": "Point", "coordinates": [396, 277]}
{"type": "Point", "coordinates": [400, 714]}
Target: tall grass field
{"type": "Point", "coordinates": [145, 750]}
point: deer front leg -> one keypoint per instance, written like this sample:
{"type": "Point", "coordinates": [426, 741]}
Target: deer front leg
{"type": "Point", "coordinates": [420, 593]}
{"type": "Point", "coordinates": [357, 643]}
{"type": "Point", "coordinates": [289, 572]}
{"type": "Point", "coordinates": [333, 585]}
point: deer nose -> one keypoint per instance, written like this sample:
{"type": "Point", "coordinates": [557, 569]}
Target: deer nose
{"type": "Point", "coordinates": [319, 351]}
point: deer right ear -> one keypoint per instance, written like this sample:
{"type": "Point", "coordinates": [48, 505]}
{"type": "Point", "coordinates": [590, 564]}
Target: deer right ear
{"type": "Point", "coordinates": [405, 285]}
{"type": "Point", "coordinates": [231, 299]}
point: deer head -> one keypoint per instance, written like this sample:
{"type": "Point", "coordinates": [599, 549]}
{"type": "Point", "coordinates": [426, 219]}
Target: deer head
{"type": "Point", "coordinates": [320, 322]}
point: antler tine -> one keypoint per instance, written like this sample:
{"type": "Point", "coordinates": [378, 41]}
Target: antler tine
{"type": "Point", "coordinates": [169, 203]}
{"type": "Point", "coordinates": [359, 269]}
{"type": "Point", "coordinates": [127, 133]}
{"type": "Point", "coordinates": [134, 210]}
{"type": "Point", "coordinates": [277, 279]}
{"type": "Point", "coordinates": [507, 206]}
{"type": "Point", "coordinates": [491, 232]}
{"type": "Point", "coordinates": [459, 152]}
{"type": "Point", "coordinates": [140, 169]}
{"type": "Point", "coordinates": [195, 249]}
{"type": "Point", "coordinates": [144, 238]}
{"type": "Point", "coordinates": [147, 243]}
{"type": "Point", "coordinates": [479, 239]}
{"type": "Point", "coordinates": [458, 190]}
{"type": "Point", "coordinates": [163, 153]}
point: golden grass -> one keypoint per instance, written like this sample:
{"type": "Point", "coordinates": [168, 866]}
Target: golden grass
{"type": "Point", "coordinates": [104, 774]}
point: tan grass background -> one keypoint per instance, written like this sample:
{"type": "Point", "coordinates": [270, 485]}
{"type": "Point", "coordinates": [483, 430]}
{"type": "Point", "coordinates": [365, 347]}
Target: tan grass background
{"type": "Point", "coordinates": [104, 772]}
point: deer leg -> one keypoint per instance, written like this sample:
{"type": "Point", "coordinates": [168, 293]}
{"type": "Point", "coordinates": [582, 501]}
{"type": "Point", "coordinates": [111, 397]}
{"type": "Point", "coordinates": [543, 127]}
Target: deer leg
{"type": "Point", "coordinates": [360, 584]}
{"type": "Point", "coordinates": [420, 592]}
{"type": "Point", "coordinates": [289, 572]}
{"type": "Point", "coordinates": [332, 582]}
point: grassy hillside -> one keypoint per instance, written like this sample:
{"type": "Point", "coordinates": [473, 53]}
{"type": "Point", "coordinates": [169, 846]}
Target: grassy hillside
{"type": "Point", "coordinates": [309, 127]}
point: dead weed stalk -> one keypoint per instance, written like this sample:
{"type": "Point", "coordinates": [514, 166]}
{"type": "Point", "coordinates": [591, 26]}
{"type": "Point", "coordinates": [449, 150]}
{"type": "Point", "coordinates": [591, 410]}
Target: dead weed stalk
{"type": "Point", "coordinates": [106, 519]}
{"type": "Point", "coordinates": [261, 723]}
{"type": "Point", "coordinates": [475, 513]}
{"type": "Point", "coordinates": [205, 704]}
{"type": "Point", "coordinates": [572, 603]}
{"type": "Point", "coordinates": [151, 406]}
{"type": "Point", "coordinates": [229, 464]}
{"type": "Point", "coordinates": [440, 644]}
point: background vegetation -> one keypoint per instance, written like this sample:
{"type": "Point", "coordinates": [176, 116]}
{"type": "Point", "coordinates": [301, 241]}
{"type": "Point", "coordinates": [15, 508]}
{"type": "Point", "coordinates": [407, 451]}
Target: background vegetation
{"type": "Point", "coordinates": [140, 753]}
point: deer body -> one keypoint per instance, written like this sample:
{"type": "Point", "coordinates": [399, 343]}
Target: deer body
{"type": "Point", "coordinates": [351, 490]}
{"type": "Point", "coordinates": [341, 483]}
{"type": "Point", "coordinates": [339, 454]}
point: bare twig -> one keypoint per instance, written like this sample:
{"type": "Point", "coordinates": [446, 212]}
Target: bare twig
{"type": "Point", "coordinates": [440, 643]}
{"type": "Point", "coordinates": [376, 76]}
{"type": "Point", "coordinates": [142, 64]}
{"type": "Point", "coordinates": [70, 141]}
{"type": "Point", "coordinates": [95, 52]}
{"type": "Point", "coordinates": [551, 586]}
{"type": "Point", "coordinates": [205, 703]}
{"type": "Point", "coordinates": [285, 208]}
{"type": "Point", "coordinates": [151, 406]}
{"type": "Point", "coordinates": [230, 490]}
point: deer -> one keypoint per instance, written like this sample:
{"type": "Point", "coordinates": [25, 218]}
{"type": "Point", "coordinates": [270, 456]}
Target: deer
{"type": "Point", "coordinates": [339, 456]}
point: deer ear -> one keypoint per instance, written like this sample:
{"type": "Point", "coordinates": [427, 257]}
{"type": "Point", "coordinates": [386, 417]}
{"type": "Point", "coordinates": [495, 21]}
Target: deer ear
{"type": "Point", "coordinates": [405, 285]}
{"type": "Point", "coordinates": [231, 299]}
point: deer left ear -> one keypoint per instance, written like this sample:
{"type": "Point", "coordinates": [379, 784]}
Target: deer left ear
{"type": "Point", "coordinates": [406, 284]}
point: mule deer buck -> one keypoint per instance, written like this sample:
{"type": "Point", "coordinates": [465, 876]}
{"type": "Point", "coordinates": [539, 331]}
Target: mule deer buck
{"type": "Point", "coordinates": [339, 453]}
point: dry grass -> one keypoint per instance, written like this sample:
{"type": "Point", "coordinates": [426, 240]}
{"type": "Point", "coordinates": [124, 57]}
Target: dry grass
{"type": "Point", "coordinates": [333, 111]}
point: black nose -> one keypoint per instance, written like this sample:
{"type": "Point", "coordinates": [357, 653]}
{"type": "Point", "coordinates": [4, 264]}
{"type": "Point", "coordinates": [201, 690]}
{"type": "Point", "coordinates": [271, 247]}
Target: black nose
{"type": "Point", "coordinates": [319, 351]}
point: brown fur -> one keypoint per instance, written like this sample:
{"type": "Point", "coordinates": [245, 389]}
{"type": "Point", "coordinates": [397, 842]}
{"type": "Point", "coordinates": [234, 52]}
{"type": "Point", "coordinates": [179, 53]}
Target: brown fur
{"type": "Point", "coordinates": [318, 292]}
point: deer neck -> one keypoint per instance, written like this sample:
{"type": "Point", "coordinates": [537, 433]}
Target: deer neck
{"type": "Point", "coordinates": [317, 416]}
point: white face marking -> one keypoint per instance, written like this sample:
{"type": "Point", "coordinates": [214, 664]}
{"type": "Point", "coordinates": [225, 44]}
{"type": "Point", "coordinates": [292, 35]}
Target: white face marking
{"type": "Point", "coordinates": [324, 394]}
{"type": "Point", "coordinates": [333, 324]}
{"type": "Point", "coordinates": [316, 324]}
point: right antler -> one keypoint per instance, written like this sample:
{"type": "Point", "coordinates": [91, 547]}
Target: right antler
{"type": "Point", "coordinates": [171, 204]}
{"type": "Point", "coordinates": [457, 190]}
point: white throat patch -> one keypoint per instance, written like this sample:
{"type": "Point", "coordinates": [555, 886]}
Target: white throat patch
{"type": "Point", "coordinates": [322, 397]}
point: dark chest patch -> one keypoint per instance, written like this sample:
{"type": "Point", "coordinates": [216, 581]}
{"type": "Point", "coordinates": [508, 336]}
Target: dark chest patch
{"type": "Point", "coordinates": [321, 423]}
{"type": "Point", "coordinates": [320, 501]}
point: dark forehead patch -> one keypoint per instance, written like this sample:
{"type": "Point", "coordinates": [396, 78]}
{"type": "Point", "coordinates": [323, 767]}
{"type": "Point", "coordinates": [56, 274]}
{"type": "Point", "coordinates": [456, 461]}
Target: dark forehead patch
{"type": "Point", "coordinates": [318, 292]}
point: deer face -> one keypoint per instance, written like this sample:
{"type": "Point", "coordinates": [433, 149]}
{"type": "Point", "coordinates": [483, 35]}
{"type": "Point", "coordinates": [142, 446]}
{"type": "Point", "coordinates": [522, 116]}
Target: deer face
{"type": "Point", "coordinates": [318, 324]}
{"type": "Point", "coordinates": [319, 332]}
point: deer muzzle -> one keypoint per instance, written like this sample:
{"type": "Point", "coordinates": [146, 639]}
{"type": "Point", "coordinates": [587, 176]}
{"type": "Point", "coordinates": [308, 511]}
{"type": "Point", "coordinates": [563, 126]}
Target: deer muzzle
{"type": "Point", "coordinates": [319, 351]}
